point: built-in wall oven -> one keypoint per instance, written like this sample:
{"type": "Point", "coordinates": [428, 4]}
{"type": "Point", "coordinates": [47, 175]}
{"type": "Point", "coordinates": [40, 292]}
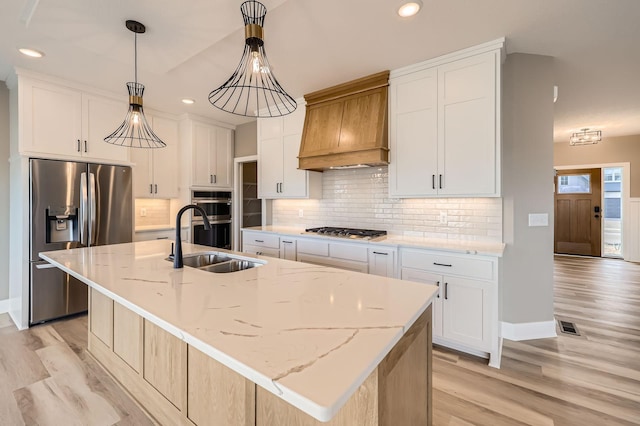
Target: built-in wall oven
{"type": "Point", "coordinates": [217, 205]}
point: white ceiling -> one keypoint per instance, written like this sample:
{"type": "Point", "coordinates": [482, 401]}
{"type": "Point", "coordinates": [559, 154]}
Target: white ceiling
{"type": "Point", "coordinates": [191, 47]}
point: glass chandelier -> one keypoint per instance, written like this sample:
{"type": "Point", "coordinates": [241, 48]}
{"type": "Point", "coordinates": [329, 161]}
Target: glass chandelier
{"type": "Point", "coordinates": [252, 90]}
{"type": "Point", "coordinates": [135, 131]}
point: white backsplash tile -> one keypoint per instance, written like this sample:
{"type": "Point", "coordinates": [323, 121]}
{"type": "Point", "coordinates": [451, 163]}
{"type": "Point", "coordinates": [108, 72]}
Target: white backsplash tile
{"type": "Point", "coordinates": [358, 198]}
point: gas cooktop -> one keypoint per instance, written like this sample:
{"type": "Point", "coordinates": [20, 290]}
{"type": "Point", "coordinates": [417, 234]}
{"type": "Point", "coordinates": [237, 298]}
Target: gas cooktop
{"type": "Point", "coordinates": [363, 234]}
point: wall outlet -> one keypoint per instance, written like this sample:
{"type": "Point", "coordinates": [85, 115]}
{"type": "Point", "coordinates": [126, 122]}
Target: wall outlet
{"type": "Point", "coordinates": [300, 213]}
{"type": "Point", "coordinates": [443, 217]}
{"type": "Point", "coordinates": [143, 212]}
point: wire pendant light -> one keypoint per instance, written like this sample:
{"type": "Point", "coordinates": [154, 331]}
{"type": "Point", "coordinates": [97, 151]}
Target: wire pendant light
{"type": "Point", "coordinates": [252, 90]}
{"type": "Point", "coordinates": [135, 131]}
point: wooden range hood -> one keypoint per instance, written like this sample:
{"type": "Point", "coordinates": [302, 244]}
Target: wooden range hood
{"type": "Point", "coordinates": [346, 125]}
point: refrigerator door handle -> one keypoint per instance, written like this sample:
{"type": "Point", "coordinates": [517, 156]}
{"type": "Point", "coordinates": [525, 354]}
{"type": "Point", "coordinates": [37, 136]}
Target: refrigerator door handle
{"type": "Point", "coordinates": [93, 208]}
{"type": "Point", "coordinates": [83, 208]}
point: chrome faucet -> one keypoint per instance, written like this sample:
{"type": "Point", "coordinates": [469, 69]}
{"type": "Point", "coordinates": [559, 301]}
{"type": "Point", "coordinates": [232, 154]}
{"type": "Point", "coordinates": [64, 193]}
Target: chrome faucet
{"type": "Point", "coordinates": [177, 257]}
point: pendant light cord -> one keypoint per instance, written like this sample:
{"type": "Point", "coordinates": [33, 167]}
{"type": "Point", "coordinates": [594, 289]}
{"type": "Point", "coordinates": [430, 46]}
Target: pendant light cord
{"type": "Point", "coordinates": [135, 57]}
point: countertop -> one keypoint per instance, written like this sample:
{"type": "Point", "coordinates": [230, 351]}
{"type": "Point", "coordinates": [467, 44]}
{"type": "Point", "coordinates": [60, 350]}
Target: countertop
{"type": "Point", "coordinates": [150, 228]}
{"type": "Point", "coordinates": [489, 248]}
{"type": "Point", "coordinates": [309, 334]}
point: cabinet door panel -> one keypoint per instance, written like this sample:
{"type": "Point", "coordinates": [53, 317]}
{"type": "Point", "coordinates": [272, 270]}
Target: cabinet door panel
{"type": "Point", "coordinates": [419, 276]}
{"type": "Point", "coordinates": [466, 311]}
{"type": "Point", "coordinates": [100, 117]}
{"type": "Point", "coordinates": [101, 317]}
{"type": "Point", "coordinates": [216, 394]}
{"type": "Point", "coordinates": [165, 160]}
{"type": "Point", "coordinates": [467, 123]}
{"type": "Point", "coordinates": [224, 152]}
{"type": "Point", "coordinates": [127, 336]}
{"type": "Point", "coordinates": [288, 250]}
{"type": "Point", "coordinates": [382, 262]}
{"type": "Point", "coordinates": [165, 364]}
{"type": "Point", "coordinates": [201, 155]}
{"type": "Point", "coordinates": [142, 173]}
{"type": "Point", "coordinates": [414, 135]}
{"type": "Point", "coordinates": [294, 181]}
{"type": "Point", "coordinates": [270, 167]}
{"type": "Point", "coordinates": [52, 119]}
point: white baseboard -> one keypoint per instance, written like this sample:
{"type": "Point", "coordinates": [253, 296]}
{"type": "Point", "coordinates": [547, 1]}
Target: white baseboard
{"type": "Point", "coordinates": [528, 330]}
{"type": "Point", "coordinates": [5, 306]}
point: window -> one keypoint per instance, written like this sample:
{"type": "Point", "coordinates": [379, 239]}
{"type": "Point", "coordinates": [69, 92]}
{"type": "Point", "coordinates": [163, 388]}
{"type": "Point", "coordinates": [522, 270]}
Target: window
{"type": "Point", "coordinates": [574, 184]}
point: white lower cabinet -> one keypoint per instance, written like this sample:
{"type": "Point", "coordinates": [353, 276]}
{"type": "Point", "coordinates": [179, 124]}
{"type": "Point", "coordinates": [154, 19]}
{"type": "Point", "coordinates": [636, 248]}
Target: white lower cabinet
{"type": "Point", "coordinates": [288, 248]}
{"type": "Point", "coordinates": [465, 308]}
{"type": "Point", "coordinates": [382, 261]}
{"type": "Point", "coordinates": [261, 243]}
{"type": "Point", "coordinates": [351, 257]}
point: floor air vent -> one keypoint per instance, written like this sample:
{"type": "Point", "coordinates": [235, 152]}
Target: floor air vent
{"type": "Point", "coordinates": [568, 328]}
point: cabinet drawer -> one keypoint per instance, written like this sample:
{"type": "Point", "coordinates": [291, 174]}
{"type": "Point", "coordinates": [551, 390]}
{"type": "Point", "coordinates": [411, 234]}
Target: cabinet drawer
{"type": "Point", "coordinates": [448, 264]}
{"type": "Point", "coordinates": [349, 251]}
{"type": "Point", "coordinates": [319, 248]}
{"type": "Point", "coordinates": [261, 239]}
{"type": "Point", "coordinates": [260, 251]}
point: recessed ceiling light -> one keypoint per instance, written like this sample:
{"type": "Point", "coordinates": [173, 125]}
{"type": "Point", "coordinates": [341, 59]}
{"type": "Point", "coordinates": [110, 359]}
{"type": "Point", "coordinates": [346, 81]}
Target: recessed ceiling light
{"type": "Point", "coordinates": [32, 53]}
{"type": "Point", "coordinates": [409, 8]}
{"type": "Point", "coordinates": [188, 101]}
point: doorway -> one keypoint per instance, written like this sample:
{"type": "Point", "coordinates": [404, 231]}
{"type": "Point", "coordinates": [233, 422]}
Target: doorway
{"type": "Point", "coordinates": [578, 212]}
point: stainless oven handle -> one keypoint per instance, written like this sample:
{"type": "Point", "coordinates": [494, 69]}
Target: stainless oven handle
{"type": "Point", "coordinates": [217, 201]}
{"type": "Point", "coordinates": [211, 222]}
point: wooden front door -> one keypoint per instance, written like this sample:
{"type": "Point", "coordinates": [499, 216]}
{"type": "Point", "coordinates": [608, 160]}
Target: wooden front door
{"type": "Point", "coordinates": [578, 212]}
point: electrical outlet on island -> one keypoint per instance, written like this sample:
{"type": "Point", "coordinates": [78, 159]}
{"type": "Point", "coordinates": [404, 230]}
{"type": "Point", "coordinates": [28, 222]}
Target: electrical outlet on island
{"type": "Point", "coordinates": [300, 213]}
{"type": "Point", "coordinates": [143, 212]}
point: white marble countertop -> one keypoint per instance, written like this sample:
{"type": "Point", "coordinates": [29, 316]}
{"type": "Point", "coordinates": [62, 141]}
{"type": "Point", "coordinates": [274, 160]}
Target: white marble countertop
{"type": "Point", "coordinates": [489, 248]}
{"type": "Point", "coordinates": [309, 334]}
{"type": "Point", "coordinates": [150, 228]}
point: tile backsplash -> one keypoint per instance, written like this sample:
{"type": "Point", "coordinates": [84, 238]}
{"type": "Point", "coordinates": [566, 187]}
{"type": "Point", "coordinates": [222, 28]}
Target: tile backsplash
{"type": "Point", "coordinates": [150, 212]}
{"type": "Point", "coordinates": [358, 198]}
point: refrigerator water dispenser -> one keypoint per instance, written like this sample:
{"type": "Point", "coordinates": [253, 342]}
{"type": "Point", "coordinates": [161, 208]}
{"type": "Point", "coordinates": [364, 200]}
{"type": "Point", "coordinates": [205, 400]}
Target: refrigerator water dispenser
{"type": "Point", "coordinates": [62, 224]}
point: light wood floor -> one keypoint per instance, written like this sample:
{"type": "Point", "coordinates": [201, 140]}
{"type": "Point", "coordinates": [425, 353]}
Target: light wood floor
{"type": "Point", "coordinates": [46, 378]}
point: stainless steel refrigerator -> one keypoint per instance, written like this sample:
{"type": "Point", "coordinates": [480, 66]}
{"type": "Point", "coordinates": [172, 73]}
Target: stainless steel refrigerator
{"type": "Point", "coordinates": [72, 205]}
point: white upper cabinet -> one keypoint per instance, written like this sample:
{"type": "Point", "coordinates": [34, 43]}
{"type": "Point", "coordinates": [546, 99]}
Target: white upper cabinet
{"type": "Point", "coordinates": [101, 117]}
{"type": "Point", "coordinates": [444, 126]}
{"type": "Point", "coordinates": [211, 154]}
{"type": "Point", "coordinates": [157, 170]}
{"type": "Point", "coordinates": [278, 147]}
{"type": "Point", "coordinates": [61, 122]}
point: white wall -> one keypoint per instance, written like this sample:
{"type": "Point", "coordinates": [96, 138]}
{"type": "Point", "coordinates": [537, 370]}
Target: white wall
{"type": "Point", "coordinates": [4, 192]}
{"type": "Point", "coordinates": [246, 140]}
{"type": "Point", "coordinates": [358, 198]}
{"type": "Point", "coordinates": [527, 281]}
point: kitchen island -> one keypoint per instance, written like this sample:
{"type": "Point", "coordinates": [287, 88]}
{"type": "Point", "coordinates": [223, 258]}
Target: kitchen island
{"type": "Point", "coordinates": [282, 343]}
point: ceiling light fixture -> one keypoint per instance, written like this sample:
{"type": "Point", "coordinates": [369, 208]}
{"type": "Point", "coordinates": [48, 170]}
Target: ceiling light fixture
{"type": "Point", "coordinates": [32, 53]}
{"type": "Point", "coordinates": [188, 101]}
{"type": "Point", "coordinates": [135, 131]}
{"type": "Point", "coordinates": [409, 8]}
{"type": "Point", "coordinates": [585, 137]}
{"type": "Point", "coordinates": [252, 90]}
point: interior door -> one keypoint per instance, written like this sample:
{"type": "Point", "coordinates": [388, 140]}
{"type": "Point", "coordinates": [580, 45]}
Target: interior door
{"type": "Point", "coordinates": [578, 212]}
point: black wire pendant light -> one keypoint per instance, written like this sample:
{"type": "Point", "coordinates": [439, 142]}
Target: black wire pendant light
{"type": "Point", "coordinates": [252, 90]}
{"type": "Point", "coordinates": [135, 131]}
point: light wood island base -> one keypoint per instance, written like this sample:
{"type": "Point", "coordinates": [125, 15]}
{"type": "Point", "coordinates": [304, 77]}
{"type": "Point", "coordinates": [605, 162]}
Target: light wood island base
{"type": "Point", "coordinates": [179, 385]}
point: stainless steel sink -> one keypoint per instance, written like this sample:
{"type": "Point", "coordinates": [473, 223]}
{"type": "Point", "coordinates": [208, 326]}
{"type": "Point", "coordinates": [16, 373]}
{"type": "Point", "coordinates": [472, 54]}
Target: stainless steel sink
{"type": "Point", "coordinates": [198, 260]}
{"type": "Point", "coordinates": [213, 261]}
{"type": "Point", "coordinates": [232, 265]}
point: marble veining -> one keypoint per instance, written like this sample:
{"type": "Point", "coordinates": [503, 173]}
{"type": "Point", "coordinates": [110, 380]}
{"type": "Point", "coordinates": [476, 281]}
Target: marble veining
{"type": "Point", "coordinates": [316, 331]}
